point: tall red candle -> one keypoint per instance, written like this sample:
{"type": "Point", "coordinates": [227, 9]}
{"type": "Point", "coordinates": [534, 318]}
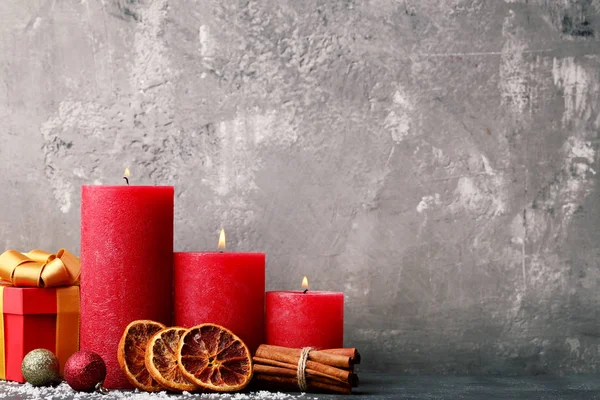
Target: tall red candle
{"type": "Point", "coordinates": [126, 265]}
{"type": "Point", "coordinates": [227, 289]}
{"type": "Point", "coordinates": [305, 319]}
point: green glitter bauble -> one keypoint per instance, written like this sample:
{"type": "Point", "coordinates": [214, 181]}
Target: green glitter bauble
{"type": "Point", "coordinates": [40, 367]}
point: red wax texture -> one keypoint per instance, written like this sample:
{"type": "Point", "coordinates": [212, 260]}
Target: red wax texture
{"type": "Point", "coordinates": [126, 265]}
{"type": "Point", "coordinates": [311, 319]}
{"type": "Point", "coordinates": [227, 289]}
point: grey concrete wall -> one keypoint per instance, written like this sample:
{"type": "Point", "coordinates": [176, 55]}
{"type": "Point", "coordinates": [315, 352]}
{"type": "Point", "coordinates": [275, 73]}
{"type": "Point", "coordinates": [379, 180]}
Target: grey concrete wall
{"type": "Point", "coordinates": [435, 160]}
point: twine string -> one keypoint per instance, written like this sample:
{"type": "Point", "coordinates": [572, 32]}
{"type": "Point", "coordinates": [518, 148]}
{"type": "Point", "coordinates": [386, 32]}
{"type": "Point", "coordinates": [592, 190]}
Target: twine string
{"type": "Point", "coordinates": [301, 371]}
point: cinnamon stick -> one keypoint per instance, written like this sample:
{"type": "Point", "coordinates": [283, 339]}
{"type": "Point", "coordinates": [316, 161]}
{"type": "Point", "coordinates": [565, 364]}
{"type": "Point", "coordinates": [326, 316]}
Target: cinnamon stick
{"type": "Point", "coordinates": [286, 372]}
{"type": "Point", "coordinates": [289, 370]}
{"type": "Point", "coordinates": [274, 353]}
{"type": "Point", "coordinates": [351, 352]}
{"type": "Point", "coordinates": [292, 384]}
{"type": "Point", "coordinates": [321, 357]}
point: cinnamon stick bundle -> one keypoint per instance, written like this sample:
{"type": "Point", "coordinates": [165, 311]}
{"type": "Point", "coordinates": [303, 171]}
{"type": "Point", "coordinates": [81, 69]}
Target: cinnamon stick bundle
{"type": "Point", "coordinates": [325, 370]}
{"type": "Point", "coordinates": [328, 370]}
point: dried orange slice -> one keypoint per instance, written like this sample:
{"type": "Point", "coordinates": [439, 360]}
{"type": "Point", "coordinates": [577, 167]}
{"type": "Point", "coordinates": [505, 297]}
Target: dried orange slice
{"type": "Point", "coordinates": [213, 358]}
{"type": "Point", "coordinates": [131, 354]}
{"type": "Point", "coordinates": [162, 361]}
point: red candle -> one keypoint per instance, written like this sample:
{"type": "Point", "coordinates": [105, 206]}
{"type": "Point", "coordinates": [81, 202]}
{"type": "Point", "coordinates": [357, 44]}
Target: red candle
{"type": "Point", "coordinates": [305, 318]}
{"type": "Point", "coordinates": [227, 289]}
{"type": "Point", "coordinates": [126, 265]}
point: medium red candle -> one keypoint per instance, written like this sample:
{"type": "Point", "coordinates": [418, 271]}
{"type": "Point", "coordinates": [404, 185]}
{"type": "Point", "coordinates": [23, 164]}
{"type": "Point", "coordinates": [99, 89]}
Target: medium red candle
{"type": "Point", "coordinates": [305, 318]}
{"type": "Point", "coordinates": [227, 289]}
{"type": "Point", "coordinates": [126, 265]}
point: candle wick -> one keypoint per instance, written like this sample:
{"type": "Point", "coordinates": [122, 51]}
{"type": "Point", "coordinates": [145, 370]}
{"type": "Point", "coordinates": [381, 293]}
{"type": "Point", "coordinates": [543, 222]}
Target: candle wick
{"type": "Point", "coordinates": [126, 180]}
{"type": "Point", "coordinates": [220, 251]}
{"type": "Point", "coordinates": [305, 290]}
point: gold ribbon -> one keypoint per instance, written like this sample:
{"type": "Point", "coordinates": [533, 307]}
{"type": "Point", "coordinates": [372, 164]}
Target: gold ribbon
{"type": "Point", "coordinates": [67, 324]}
{"type": "Point", "coordinates": [39, 268]}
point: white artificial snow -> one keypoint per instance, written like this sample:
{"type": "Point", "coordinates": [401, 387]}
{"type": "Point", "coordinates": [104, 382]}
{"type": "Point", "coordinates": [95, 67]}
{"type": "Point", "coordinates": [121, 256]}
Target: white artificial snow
{"type": "Point", "coordinates": [10, 390]}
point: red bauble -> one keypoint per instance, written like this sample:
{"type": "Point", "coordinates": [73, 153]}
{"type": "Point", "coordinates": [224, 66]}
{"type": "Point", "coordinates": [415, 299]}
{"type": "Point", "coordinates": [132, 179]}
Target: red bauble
{"type": "Point", "coordinates": [84, 370]}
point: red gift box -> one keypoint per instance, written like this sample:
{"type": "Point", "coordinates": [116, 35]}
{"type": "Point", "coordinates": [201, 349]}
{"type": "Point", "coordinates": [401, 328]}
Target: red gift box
{"type": "Point", "coordinates": [37, 318]}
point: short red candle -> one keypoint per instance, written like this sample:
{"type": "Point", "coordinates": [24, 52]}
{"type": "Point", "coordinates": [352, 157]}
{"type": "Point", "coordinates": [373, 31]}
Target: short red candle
{"type": "Point", "coordinates": [312, 319]}
{"type": "Point", "coordinates": [126, 265]}
{"type": "Point", "coordinates": [227, 289]}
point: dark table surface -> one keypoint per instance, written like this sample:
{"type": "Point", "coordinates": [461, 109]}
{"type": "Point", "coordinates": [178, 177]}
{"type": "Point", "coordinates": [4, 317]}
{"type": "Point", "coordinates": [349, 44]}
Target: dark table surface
{"type": "Point", "coordinates": [479, 387]}
{"type": "Point", "coordinates": [373, 386]}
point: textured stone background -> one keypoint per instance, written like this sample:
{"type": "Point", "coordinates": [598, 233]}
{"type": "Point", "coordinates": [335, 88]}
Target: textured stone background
{"type": "Point", "coordinates": [435, 160]}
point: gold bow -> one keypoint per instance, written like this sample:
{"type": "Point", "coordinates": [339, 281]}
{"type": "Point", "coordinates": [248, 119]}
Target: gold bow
{"type": "Point", "coordinates": [39, 268]}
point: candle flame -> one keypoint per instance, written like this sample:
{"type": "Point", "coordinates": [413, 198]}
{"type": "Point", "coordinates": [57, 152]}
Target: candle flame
{"type": "Point", "coordinates": [127, 173]}
{"type": "Point", "coordinates": [305, 283]}
{"type": "Point", "coordinates": [222, 240]}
